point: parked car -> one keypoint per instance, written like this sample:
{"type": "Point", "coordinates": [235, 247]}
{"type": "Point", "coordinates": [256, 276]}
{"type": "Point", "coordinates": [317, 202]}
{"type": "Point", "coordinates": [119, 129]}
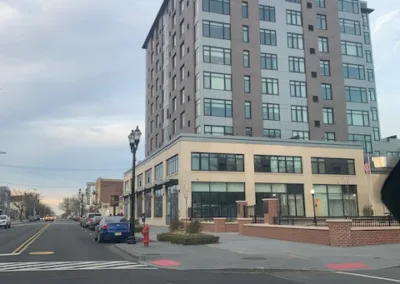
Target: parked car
{"type": "Point", "coordinates": [94, 222]}
{"type": "Point", "coordinates": [88, 217]}
{"type": "Point", "coordinates": [5, 222]}
{"type": "Point", "coordinates": [113, 228]}
{"type": "Point", "coordinates": [34, 218]}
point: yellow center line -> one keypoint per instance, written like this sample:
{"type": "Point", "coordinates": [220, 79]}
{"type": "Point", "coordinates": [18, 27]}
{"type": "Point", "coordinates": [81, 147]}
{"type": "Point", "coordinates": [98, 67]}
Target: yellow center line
{"type": "Point", "coordinates": [29, 241]}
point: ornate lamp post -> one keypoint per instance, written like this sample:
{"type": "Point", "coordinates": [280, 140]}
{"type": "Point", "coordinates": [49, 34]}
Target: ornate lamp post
{"type": "Point", "coordinates": [134, 139]}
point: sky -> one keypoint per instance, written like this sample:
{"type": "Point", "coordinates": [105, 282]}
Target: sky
{"type": "Point", "coordinates": [72, 86]}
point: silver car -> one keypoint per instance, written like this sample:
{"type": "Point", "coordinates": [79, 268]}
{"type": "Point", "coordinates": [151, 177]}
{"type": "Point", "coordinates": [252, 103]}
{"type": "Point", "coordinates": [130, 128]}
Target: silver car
{"type": "Point", "coordinates": [5, 222]}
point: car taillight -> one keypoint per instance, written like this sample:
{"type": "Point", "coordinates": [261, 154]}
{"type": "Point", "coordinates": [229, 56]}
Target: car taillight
{"type": "Point", "coordinates": [104, 227]}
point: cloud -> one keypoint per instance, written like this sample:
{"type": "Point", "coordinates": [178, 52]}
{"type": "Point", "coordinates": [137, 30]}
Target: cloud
{"type": "Point", "coordinates": [385, 19]}
{"type": "Point", "coordinates": [72, 86]}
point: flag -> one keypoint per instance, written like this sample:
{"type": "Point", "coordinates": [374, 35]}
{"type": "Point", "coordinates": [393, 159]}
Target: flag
{"type": "Point", "coordinates": [367, 168]}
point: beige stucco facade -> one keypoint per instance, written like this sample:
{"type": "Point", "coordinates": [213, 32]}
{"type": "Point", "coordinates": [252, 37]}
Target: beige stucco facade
{"type": "Point", "coordinates": [184, 145]}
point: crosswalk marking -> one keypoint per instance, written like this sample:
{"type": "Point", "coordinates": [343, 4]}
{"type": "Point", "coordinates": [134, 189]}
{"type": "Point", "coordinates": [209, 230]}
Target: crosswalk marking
{"type": "Point", "coordinates": [70, 265]}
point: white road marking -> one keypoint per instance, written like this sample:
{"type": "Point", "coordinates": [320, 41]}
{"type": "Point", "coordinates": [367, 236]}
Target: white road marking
{"type": "Point", "coordinates": [369, 276]}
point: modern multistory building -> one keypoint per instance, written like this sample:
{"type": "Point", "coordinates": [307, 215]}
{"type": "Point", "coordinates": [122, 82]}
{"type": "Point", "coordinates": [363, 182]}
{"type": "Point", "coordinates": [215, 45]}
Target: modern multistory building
{"type": "Point", "coordinates": [265, 68]}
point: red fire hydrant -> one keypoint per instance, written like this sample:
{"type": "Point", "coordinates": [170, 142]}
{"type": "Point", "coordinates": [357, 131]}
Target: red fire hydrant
{"type": "Point", "coordinates": [145, 233]}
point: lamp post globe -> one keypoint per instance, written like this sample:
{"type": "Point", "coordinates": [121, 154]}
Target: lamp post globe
{"type": "Point", "coordinates": [134, 139]}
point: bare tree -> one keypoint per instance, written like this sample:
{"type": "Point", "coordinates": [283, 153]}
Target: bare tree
{"type": "Point", "coordinates": [186, 190]}
{"type": "Point", "coordinates": [18, 200]}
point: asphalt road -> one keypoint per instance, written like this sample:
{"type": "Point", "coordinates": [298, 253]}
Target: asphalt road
{"type": "Point", "coordinates": [62, 252]}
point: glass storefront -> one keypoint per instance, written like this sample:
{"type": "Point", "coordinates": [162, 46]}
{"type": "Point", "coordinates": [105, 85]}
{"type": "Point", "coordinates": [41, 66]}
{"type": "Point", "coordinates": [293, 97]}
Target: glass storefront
{"type": "Point", "coordinates": [290, 197]}
{"type": "Point", "coordinates": [335, 200]}
{"type": "Point", "coordinates": [210, 199]}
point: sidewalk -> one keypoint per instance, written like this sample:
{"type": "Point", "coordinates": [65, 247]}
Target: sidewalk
{"type": "Point", "coordinates": [240, 252]}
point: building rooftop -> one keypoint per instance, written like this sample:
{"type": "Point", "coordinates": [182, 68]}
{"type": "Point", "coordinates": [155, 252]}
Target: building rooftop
{"type": "Point", "coordinates": [153, 26]}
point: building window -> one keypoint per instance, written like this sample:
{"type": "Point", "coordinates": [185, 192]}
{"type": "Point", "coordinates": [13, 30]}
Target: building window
{"type": "Point", "coordinates": [271, 111]}
{"type": "Point", "coordinates": [326, 91]}
{"type": "Point", "coordinates": [328, 116]}
{"type": "Point", "coordinates": [357, 117]}
{"type": "Point", "coordinates": [324, 68]}
{"type": "Point", "coordinates": [367, 38]}
{"type": "Point", "coordinates": [182, 73]}
{"type": "Point", "coordinates": [296, 64]}
{"type": "Point", "coordinates": [295, 41]}
{"type": "Point", "coordinates": [216, 30]}
{"type": "Point", "coordinates": [139, 180]}
{"type": "Point", "coordinates": [182, 28]}
{"type": "Point", "coordinates": [300, 135]}
{"type": "Point", "coordinates": [349, 6]}
{"type": "Point", "coordinates": [377, 134]}
{"type": "Point", "coordinates": [245, 33]}
{"type": "Point", "coordinates": [353, 71]}
{"type": "Point", "coordinates": [247, 110]}
{"type": "Point", "coordinates": [267, 37]}
{"type": "Point", "coordinates": [352, 48]}
{"type": "Point", "coordinates": [332, 166]}
{"type": "Point", "coordinates": [269, 61]}
{"type": "Point", "coordinates": [267, 13]}
{"type": "Point", "coordinates": [272, 133]}
{"type": "Point", "coordinates": [218, 130]}
{"type": "Point", "coordinates": [269, 86]}
{"type": "Point", "coordinates": [335, 200]}
{"type": "Point", "coordinates": [182, 96]}
{"type": "Point", "coordinates": [374, 114]}
{"type": "Point", "coordinates": [293, 18]}
{"type": "Point", "coordinates": [174, 104]}
{"type": "Point", "coordinates": [174, 127]}
{"type": "Point", "coordinates": [320, 3]}
{"type": "Point", "coordinates": [158, 203]}
{"type": "Point", "coordinates": [249, 131]}
{"type": "Point", "coordinates": [372, 94]}
{"type": "Point", "coordinates": [217, 55]}
{"type": "Point", "coordinates": [290, 196]}
{"type": "Point", "coordinates": [323, 45]}
{"type": "Point", "coordinates": [139, 203]}
{"type": "Point", "coordinates": [355, 94]}
{"type": "Point", "coordinates": [147, 203]}
{"type": "Point", "coordinates": [182, 120]}
{"type": "Point", "coordinates": [174, 61]}
{"type": "Point", "coordinates": [174, 40]}
{"type": "Point", "coordinates": [329, 136]}
{"type": "Point", "coordinates": [217, 6]}
{"type": "Point", "coordinates": [365, 20]}
{"type": "Point", "coordinates": [219, 108]}
{"type": "Point", "coordinates": [370, 75]}
{"type": "Point", "coordinates": [368, 56]}
{"type": "Point", "coordinates": [246, 58]}
{"type": "Point", "coordinates": [299, 113]}
{"type": "Point", "coordinates": [298, 89]}
{"type": "Point", "coordinates": [277, 164]}
{"type": "Point", "coordinates": [215, 199]}
{"type": "Point", "coordinates": [217, 81]}
{"type": "Point", "coordinates": [321, 22]}
{"type": "Point", "coordinates": [217, 162]}
{"type": "Point", "coordinates": [245, 9]}
{"type": "Point", "coordinates": [350, 27]}
{"type": "Point", "coordinates": [147, 176]}
{"type": "Point", "coordinates": [174, 83]}
{"type": "Point", "coordinates": [363, 140]}
{"type": "Point", "coordinates": [172, 165]}
{"type": "Point", "coordinates": [158, 172]}
{"type": "Point", "coordinates": [247, 84]}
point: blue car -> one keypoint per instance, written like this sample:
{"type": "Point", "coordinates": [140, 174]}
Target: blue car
{"type": "Point", "coordinates": [113, 228]}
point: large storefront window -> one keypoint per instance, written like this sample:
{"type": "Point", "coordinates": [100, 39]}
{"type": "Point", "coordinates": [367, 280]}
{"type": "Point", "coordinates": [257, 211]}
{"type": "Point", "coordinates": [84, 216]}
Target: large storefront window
{"type": "Point", "coordinates": [290, 197]}
{"type": "Point", "coordinates": [335, 200]}
{"type": "Point", "coordinates": [147, 203]}
{"type": "Point", "coordinates": [158, 203]}
{"type": "Point", "coordinates": [216, 199]}
{"type": "Point", "coordinates": [139, 205]}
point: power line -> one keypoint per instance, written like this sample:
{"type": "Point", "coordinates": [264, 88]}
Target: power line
{"type": "Point", "coordinates": [38, 186]}
{"type": "Point", "coordinates": [22, 167]}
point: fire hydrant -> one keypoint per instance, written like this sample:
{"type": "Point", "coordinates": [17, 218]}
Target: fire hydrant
{"type": "Point", "coordinates": [145, 233]}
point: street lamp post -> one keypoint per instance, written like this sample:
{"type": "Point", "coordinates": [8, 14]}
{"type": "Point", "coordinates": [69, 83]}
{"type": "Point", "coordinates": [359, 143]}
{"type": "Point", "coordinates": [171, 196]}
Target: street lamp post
{"type": "Point", "coordinates": [134, 139]}
{"type": "Point", "coordinates": [312, 191]}
{"type": "Point", "coordinates": [80, 202]}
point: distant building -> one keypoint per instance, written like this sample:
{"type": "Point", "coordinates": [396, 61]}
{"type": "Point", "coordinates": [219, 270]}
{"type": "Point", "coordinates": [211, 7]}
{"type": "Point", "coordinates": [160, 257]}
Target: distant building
{"type": "Point", "coordinates": [105, 189]}
{"type": "Point", "coordinates": [90, 197]}
{"type": "Point", "coordinates": [5, 194]}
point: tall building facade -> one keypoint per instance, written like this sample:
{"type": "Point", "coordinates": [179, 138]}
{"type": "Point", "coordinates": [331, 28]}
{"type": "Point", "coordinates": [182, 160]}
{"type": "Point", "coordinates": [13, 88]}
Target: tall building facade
{"type": "Point", "coordinates": [300, 69]}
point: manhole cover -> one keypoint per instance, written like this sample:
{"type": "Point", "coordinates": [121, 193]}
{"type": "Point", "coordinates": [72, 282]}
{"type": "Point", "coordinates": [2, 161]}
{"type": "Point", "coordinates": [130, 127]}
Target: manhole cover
{"type": "Point", "coordinates": [254, 258]}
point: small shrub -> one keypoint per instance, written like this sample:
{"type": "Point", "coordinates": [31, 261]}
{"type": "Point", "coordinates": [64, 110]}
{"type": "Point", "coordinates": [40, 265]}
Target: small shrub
{"type": "Point", "coordinates": [367, 210]}
{"type": "Point", "coordinates": [176, 225]}
{"type": "Point", "coordinates": [138, 228]}
{"type": "Point", "coordinates": [194, 227]}
{"type": "Point", "coordinates": [187, 239]}
{"type": "Point", "coordinates": [137, 222]}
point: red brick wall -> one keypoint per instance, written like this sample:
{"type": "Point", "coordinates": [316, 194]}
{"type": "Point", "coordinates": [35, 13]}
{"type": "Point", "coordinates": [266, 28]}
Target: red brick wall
{"type": "Point", "coordinates": [314, 235]}
{"type": "Point", "coordinates": [231, 227]}
{"type": "Point", "coordinates": [340, 233]}
{"type": "Point", "coordinates": [375, 236]}
{"type": "Point", "coordinates": [208, 227]}
{"type": "Point", "coordinates": [105, 188]}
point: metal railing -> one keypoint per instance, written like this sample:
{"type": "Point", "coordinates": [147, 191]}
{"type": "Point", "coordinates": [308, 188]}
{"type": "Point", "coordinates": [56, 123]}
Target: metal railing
{"type": "Point", "coordinates": [255, 212]}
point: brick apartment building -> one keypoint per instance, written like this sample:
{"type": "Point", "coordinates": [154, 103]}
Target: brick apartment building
{"type": "Point", "coordinates": [105, 188]}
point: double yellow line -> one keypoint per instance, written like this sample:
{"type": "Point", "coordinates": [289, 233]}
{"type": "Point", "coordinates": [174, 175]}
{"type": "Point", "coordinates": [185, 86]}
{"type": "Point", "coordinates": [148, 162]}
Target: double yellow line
{"type": "Point", "coordinates": [29, 241]}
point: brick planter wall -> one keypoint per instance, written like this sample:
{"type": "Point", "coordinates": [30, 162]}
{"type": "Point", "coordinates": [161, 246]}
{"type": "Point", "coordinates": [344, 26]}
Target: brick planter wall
{"type": "Point", "coordinates": [220, 226]}
{"type": "Point", "coordinates": [375, 236]}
